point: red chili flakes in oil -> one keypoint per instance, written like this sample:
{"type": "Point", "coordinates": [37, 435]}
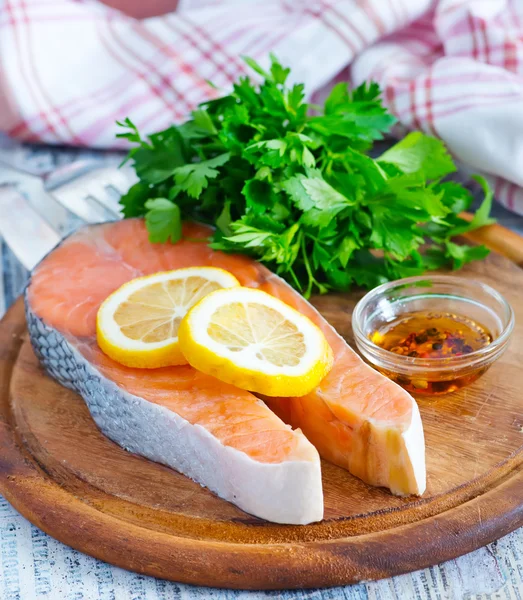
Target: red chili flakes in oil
{"type": "Point", "coordinates": [427, 334]}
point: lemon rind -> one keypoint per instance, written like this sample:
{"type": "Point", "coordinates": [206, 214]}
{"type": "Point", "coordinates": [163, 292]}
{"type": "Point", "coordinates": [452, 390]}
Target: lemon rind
{"type": "Point", "coordinates": [212, 358]}
{"type": "Point", "coordinates": [136, 353]}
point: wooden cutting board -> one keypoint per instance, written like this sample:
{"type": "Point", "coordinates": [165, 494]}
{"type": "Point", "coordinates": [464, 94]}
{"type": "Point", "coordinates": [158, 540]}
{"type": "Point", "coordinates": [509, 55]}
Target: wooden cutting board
{"type": "Point", "coordinates": [61, 473]}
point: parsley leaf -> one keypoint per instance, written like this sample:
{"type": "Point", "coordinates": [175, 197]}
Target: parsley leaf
{"type": "Point", "coordinates": [420, 153]}
{"type": "Point", "coordinates": [296, 186]}
{"type": "Point", "coordinates": [156, 160]}
{"type": "Point", "coordinates": [194, 178]}
{"type": "Point", "coordinates": [318, 200]}
{"type": "Point", "coordinates": [455, 196]}
{"type": "Point", "coordinates": [345, 250]}
{"type": "Point", "coordinates": [463, 254]}
{"type": "Point", "coordinates": [163, 220]}
{"type": "Point", "coordinates": [133, 202]}
{"type": "Point", "coordinates": [339, 96]}
{"type": "Point", "coordinates": [259, 196]}
{"type": "Point", "coordinates": [393, 232]}
{"type": "Point", "coordinates": [481, 217]}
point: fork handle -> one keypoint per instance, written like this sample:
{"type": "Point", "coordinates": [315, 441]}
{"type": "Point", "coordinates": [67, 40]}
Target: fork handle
{"type": "Point", "coordinates": [28, 236]}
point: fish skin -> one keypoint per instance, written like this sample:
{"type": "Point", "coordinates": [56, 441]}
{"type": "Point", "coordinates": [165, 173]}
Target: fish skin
{"type": "Point", "coordinates": [289, 492]}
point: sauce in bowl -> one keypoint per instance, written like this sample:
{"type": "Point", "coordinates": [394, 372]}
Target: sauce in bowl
{"type": "Point", "coordinates": [428, 334]}
{"type": "Point", "coordinates": [434, 334]}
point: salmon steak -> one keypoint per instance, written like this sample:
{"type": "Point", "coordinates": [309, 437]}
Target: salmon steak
{"type": "Point", "coordinates": [263, 455]}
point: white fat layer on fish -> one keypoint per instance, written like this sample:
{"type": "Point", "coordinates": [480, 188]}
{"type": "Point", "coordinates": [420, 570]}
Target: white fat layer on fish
{"type": "Point", "coordinates": [415, 445]}
{"type": "Point", "coordinates": [285, 492]}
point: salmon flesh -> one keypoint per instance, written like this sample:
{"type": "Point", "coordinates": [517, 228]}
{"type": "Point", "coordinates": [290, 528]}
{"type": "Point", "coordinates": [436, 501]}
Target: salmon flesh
{"type": "Point", "coordinates": [224, 438]}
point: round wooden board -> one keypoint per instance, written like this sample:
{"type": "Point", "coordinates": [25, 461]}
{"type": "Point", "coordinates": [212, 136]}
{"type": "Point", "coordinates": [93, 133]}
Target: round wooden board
{"type": "Point", "coordinates": [61, 473]}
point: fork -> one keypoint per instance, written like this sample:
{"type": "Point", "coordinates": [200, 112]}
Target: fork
{"type": "Point", "coordinates": [36, 211]}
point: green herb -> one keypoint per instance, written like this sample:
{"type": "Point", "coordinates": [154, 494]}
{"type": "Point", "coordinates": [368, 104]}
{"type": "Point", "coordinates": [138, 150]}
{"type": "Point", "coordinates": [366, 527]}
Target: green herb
{"type": "Point", "coordinates": [293, 186]}
{"type": "Point", "coordinates": [163, 220]}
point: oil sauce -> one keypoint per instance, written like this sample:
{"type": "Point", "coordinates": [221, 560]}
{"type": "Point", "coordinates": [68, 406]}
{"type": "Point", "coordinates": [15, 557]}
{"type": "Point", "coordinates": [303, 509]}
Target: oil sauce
{"type": "Point", "coordinates": [427, 334]}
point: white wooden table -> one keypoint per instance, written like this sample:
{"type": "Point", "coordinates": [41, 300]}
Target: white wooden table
{"type": "Point", "coordinates": [34, 565]}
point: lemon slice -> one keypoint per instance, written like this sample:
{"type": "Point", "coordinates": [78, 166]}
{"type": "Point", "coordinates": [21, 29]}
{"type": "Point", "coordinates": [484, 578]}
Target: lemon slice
{"type": "Point", "coordinates": [248, 338]}
{"type": "Point", "coordinates": [137, 325]}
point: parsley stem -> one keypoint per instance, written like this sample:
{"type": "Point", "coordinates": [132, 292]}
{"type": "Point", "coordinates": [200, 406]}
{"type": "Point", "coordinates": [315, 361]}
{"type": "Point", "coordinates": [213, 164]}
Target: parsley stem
{"type": "Point", "coordinates": [297, 283]}
{"type": "Point", "coordinates": [308, 291]}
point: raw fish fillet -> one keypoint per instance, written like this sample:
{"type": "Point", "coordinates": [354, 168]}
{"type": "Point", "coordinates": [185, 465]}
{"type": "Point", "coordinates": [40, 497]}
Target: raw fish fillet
{"type": "Point", "coordinates": [225, 438]}
{"type": "Point", "coordinates": [222, 437]}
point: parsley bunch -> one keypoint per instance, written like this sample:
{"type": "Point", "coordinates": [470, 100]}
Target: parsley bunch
{"type": "Point", "coordinates": [293, 186]}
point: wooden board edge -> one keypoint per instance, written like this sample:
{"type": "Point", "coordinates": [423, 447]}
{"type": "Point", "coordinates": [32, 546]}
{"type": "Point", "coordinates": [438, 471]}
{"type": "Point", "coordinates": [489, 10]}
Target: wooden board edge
{"type": "Point", "coordinates": [245, 566]}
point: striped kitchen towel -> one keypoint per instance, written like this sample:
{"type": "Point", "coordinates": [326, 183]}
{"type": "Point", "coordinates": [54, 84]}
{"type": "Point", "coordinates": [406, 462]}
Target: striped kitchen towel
{"type": "Point", "coordinates": [453, 68]}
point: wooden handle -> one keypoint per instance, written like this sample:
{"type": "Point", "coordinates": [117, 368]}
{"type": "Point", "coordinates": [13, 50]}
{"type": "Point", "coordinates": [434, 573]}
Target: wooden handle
{"type": "Point", "coordinates": [498, 238]}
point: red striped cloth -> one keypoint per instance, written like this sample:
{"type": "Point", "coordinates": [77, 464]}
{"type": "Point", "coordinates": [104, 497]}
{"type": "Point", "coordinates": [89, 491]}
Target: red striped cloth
{"type": "Point", "coordinates": [453, 68]}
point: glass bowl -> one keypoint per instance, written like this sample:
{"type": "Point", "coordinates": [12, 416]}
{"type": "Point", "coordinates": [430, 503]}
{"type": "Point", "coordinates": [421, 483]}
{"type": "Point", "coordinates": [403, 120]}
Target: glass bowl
{"type": "Point", "coordinates": [436, 293]}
